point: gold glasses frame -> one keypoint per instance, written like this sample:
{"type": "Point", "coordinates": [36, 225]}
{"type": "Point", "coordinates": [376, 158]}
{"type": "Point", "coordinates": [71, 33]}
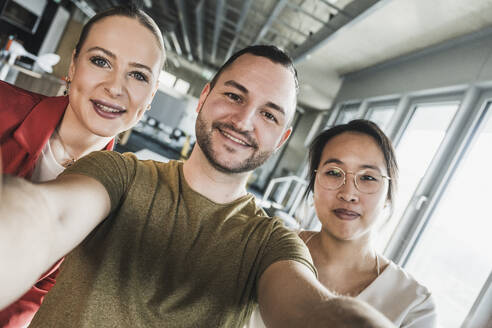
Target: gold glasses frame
{"type": "Point", "coordinates": [355, 174]}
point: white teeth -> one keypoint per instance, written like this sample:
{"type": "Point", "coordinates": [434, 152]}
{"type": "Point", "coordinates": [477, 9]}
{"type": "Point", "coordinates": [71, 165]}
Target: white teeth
{"type": "Point", "coordinates": [234, 139]}
{"type": "Point", "coordinates": [107, 109]}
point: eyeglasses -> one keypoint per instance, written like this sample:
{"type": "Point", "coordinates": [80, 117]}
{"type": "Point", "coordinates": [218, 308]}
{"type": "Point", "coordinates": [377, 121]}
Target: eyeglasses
{"type": "Point", "coordinates": [368, 181]}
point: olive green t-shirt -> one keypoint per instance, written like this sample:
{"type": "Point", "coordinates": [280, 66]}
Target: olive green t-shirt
{"type": "Point", "coordinates": [166, 256]}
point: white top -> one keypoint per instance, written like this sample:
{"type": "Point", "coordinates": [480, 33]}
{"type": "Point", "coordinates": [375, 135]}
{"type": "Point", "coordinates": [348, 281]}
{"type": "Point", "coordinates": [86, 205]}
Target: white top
{"type": "Point", "coordinates": [46, 168]}
{"type": "Point", "coordinates": [395, 294]}
{"type": "Point", "coordinates": [145, 154]}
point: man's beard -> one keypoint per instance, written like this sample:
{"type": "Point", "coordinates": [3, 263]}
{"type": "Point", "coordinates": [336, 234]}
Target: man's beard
{"type": "Point", "coordinates": [204, 140]}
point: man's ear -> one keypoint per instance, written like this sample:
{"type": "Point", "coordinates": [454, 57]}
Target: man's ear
{"type": "Point", "coordinates": [203, 97]}
{"type": "Point", "coordinates": [284, 138]}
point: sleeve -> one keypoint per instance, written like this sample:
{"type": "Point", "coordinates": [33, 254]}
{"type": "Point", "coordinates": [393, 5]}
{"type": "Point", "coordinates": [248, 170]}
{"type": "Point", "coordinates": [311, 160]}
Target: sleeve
{"type": "Point", "coordinates": [113, 170]}
{"type": "Point", "coordinates": [282, 245]}
{"type": "Point", "coordinates": [423, 315]}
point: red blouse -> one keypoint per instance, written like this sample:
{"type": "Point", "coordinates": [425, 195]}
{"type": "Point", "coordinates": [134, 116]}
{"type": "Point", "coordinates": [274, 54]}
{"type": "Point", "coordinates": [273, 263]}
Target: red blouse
{"type": "Point", "coordinates": [27, 121]}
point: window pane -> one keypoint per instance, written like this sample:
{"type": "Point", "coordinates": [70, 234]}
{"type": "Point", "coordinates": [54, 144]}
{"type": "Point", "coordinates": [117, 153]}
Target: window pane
{"type": "Point", "coordinates": [181, 86]}
{"type": "Point", "coordinates": [453, 257]}
{"type": "Point", "coordinates": [381, 116]}
{"type": "Point", "coordinates": [167, 79]}
{"type": "Point", "coordinates": [414, 153]}
{"type": "Point", "coordinates": [347, 114]}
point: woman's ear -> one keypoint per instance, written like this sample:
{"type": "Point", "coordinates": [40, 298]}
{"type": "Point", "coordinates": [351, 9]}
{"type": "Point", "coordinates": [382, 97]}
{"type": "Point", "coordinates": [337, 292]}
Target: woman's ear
{"type": "Point", "coordinates": [71, 68]}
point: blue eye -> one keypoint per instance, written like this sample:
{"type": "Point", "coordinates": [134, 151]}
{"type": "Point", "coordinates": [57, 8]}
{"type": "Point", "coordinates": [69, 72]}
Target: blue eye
{"type": "Point", "coordinates": [139, 76]}
{"type": "Point", "coordinates": [99, 61]}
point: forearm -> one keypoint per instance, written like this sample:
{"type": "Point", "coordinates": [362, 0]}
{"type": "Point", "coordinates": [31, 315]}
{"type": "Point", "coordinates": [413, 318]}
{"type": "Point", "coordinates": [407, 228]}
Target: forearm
{"type": "Point", "coordinates": [340, 312]}
{"type": "Point", "coordinates": [344, 312]}
{"type": "Point", "coordinates": [291, 296]}
{"type": "Point", "coordinates": [25, 235]}
{"type": "Point", "coordinates": [292, 292]}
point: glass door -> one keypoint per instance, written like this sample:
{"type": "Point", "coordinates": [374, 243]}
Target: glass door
{"type": "Point", "coordinates": [381, 116]}
{"type": "Point", "coordinates": [347, 113]}
{"type": "Point", "coordinates": [454, 254]}
{"type": "Point", "coordinates": [418, 144]}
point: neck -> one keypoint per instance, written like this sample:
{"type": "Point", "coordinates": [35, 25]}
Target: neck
{"type": "Point", "coordinates": [77, 139]}
{"type": "Point", "coordinates": [350, 254]}
{"type": "Point", "coordinates": [217, 186]}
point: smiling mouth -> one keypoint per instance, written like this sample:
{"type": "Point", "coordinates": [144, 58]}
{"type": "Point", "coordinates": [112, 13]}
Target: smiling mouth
{"type": "Point", "coordinates": [236, 140]}
{"type": "Point", "coordinates": [108, 108]}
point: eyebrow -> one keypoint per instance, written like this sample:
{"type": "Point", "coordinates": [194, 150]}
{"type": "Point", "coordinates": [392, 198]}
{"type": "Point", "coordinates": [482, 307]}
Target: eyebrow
{"type": "Point", "coordinates": [339, 162]}
{"type": "Point", "coordinates": [244, 90]}
{"type": "Point", "coordinates": [112, 55]}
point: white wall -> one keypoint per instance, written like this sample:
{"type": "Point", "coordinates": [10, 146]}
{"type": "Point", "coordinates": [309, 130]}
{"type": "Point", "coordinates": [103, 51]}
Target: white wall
{"type": "Point", "coordinates": [460, 61]}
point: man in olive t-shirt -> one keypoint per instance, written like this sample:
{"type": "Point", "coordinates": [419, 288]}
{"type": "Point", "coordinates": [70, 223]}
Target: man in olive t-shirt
{"type": "Point", "coordinates": [167, 255]}
{"type": "Point", "coordinates": [184, 244]}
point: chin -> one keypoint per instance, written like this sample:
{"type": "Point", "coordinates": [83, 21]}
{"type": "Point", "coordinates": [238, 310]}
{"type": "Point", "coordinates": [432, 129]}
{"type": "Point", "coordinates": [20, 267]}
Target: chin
{"type": "Point", "coordinates": [106, 133]}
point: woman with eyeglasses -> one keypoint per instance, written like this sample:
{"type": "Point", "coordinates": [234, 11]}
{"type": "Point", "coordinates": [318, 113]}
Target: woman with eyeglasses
{"type": "Point", "coordinates": [353, 176]}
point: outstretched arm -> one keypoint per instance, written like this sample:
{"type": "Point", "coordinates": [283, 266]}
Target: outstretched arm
{"type": "Point", "coordinates": [290, 296]}
{"type": "Point", "coordinates": [40, 223]}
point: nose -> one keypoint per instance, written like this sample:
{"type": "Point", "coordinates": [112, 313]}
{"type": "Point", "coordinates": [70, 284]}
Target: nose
{"type": "Point", "coordinates": [114, 85]}
{"type": "Point", "coordinates": [348, 191]}
{"type": "Point", "coordinates": [244, 117]}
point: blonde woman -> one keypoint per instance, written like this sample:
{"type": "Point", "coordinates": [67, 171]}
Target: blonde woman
{"type": "Point", "coordinates": [112, 79]}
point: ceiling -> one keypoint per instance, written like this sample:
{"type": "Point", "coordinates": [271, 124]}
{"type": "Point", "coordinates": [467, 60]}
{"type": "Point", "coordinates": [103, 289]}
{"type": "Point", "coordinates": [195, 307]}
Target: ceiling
{"type": "Point", "coordinates": [389, 29]}
{"type": "Point", "coordinates": [199, 35]}
{"type": "Point", "coordinates": [327, 38]}
{"type": "Point", "coordinates": [207, 32]}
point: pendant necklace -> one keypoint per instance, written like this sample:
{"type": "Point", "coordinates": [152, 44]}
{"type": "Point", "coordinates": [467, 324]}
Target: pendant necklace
{"type": "Point", "coordinates": [71, 159]}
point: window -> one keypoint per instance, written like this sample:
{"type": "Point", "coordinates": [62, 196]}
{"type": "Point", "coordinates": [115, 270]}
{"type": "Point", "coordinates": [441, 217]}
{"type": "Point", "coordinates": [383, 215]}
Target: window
{"type": "Point", "coordinates": [347, 114]}
{"type": "Point", "coordinates": [381, 116]}
{"type": "Point", "coordinates": [453, 256]}
{"type": "Point", "coordinates": [167, 79]}
{"type": "Point", "coordinates": [420, 140]}
{"type": "Point", "coordinates": [182, 86]}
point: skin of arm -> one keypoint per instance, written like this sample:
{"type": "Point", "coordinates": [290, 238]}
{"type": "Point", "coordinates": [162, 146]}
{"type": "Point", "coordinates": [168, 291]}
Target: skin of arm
{"type": "Point", "coordinates": [289, 295]}
{"type": "Point", "coordinates": [40, 223]}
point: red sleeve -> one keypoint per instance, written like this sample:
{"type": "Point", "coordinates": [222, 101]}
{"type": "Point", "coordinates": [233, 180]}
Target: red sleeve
{"type": "Point", "coordinates": [20, 313]}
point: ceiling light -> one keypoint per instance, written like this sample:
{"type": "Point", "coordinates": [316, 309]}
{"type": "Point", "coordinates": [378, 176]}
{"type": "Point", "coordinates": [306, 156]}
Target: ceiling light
{"type": "Point", "coordinates": [147, 3]}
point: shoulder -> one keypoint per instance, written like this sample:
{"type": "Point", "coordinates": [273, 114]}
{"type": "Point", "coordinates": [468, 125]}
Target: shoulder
{"type": "Point", "coordinates": [404, 281]}
{"type": "Point", "coordinates": [12, 90]}
{"type": "Point", "coordinates": [106, 164]}
{"type": "Point", "coordinates": [415, 306]}
{"type": "Point", "coordinates": [16, 105]}
{"type": "Point", "coordinates": [105, 160]}
{"type": "Point", "coordinates": [284, 244]}
{"type": "Point", "coordinates": [12, 95]}
{"type": "Point", "coordinates": [306, 235]}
